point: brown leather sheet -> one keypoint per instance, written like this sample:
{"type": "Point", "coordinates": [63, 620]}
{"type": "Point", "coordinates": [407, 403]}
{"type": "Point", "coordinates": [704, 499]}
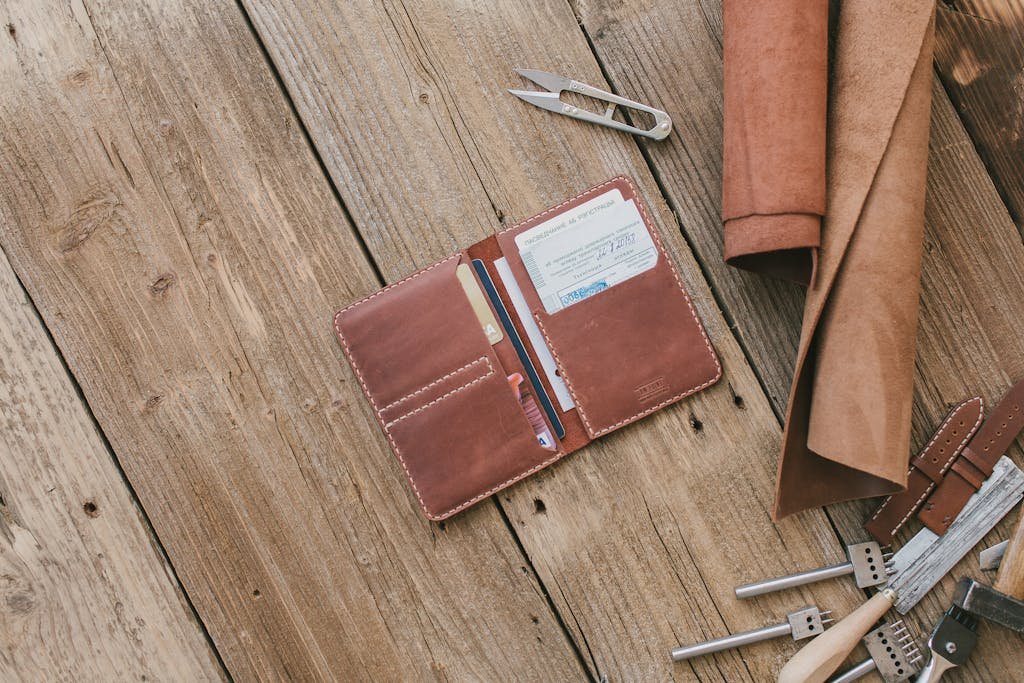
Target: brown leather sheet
{"type": "Point", "coordinates": [847, 430]}
{"type": "Point", "coordinates": [776, 85]}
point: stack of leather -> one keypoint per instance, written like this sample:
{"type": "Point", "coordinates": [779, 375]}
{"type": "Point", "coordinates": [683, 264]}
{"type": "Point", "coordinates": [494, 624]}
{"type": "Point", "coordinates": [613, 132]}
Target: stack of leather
{"type": "Point", "coordinates": [824, 183]}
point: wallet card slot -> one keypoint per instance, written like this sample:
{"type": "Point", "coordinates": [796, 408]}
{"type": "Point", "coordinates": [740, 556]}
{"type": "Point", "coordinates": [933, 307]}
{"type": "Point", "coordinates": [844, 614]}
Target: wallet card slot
{"type": "Point", "coordinates": [404, 340]}
{"type": "Point", "coordinates": [466, 446]}
{"type": "Point", "coordinates": [438, 389]}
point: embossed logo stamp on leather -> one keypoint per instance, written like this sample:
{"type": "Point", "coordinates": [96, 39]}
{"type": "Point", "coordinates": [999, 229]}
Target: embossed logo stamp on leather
{"type": "Point", "coordinates": [651, 390]}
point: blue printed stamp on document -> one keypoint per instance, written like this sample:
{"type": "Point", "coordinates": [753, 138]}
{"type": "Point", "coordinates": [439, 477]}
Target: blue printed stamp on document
{"type": "Point", "coordinates": [600, 244]}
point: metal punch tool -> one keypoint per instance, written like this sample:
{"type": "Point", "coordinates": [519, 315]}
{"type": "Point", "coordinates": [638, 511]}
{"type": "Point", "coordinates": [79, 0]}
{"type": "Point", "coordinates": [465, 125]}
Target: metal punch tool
{"type": "Point", "coordinates": [894, 655]}
{"type": "Point", "coordinates": [804, 623]}
{"type": "Point", "coordinates": [868, 564]}
{"type": "Point", "coordinates": [551, 100]}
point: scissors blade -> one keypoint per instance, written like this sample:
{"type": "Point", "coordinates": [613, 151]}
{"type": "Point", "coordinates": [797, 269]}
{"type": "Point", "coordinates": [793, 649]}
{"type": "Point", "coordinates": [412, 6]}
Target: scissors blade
{"type": "Point", "coordinates": [544, 100]}
{"type": "Point", "coordinates": [548, 81]}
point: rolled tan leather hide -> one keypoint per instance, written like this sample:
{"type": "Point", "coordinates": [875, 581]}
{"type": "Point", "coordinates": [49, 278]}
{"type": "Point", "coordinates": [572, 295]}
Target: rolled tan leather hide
{"type": "Point", "coordinates": [847, 431]}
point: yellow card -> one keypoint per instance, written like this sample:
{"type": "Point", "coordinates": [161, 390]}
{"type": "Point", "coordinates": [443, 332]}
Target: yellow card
{"type": "Point", "coordinates": [479, 303]}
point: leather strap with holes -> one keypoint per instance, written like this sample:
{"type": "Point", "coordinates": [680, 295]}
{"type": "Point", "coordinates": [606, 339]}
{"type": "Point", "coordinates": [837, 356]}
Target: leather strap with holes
{"type": "Point", "coordinates": [927, 469]}
{"type": "Point", "coordinates": [975, 463]}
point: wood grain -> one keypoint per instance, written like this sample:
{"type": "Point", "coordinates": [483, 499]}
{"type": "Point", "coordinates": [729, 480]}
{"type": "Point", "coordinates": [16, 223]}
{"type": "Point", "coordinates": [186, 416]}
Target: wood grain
{"type": "Point", "coordinates": [971, 335]}
{"type": "Point", "coordinates": [164, 211]}
{"type": "Point", "coordinates": [640, 538]}
{"type": "Point", "coordinates": [979, 54]}
{"type": "Point", "coordinates": [85, 592]}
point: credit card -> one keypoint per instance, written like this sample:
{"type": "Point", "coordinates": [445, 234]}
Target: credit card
{"type": "Point", "coordinates": [480, 306]}
{"type": "Point", "coordinates": [540, 347]}
{"type": "Point", "coordinates": [517, 344]}
{"type": "Point", "coordinates": [575, 260]}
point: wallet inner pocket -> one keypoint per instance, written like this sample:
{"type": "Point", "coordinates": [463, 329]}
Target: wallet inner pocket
{"type": "Point", "coordinates": [630, 349]}
{"type": "Point", "coordinates": [467, 444]}
{"type": "Point", "coordinates": [414, 339]}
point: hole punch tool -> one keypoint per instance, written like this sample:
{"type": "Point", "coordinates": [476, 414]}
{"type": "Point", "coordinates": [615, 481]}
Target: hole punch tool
{"type": "Point", "coordinates": [894, 655]}
{"type": "Point", "coordinates": [806, 622]}
{"type": "Point", "coordinates": [868, 564]}
{"type": "Point", "coordinates": [919, 564]}
{"type": "Point", "coordinates": [551, 100]}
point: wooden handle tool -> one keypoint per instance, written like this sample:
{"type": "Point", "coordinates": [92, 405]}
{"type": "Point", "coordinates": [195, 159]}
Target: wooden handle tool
{"type": "Point", "coordinates": [1010, 580]}
{"type": "Point", "coordinates": [823, 655]}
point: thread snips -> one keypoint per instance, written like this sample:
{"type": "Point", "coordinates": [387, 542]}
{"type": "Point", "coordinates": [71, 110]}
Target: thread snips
{"type": "Point", "coordinates": [551, 100]}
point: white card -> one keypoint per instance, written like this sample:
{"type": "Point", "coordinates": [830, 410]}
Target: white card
{"type": "Point", "coordinates": [547, 361]}
{"type": "Point", "coordinates": [586, 252]}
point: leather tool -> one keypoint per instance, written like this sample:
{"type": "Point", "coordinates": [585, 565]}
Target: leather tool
{"type": "Point", "coordinates": [991, 558]}
{"type": "Point", "coordinates": [806, 622]}
{"type": "Point", "coordinates": [894, 655]}
{"type": "Point", "coordinates": [868, 564]}
{"type": "Point", "coordinates": [975, 462]}
{"type": "Point", "coordinates": [552, 101]}
{"type": "Point", "coordinates": [919, 565]}
{"type": "Point", "coordinates": [927, 469]}
{"type": "Point", "coordinates": [1003, 604]}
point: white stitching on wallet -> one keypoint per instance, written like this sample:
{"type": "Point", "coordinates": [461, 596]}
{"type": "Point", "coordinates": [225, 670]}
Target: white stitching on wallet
{"type": "Point", "coordinates": [490, 371]}
{"type": "Point", "coordinates": [953, 455]}
{"type": "Point", "coordinates": [435, 382]}
{"type": "Point", "coordinates": [707, 342]}
{"type": "Point", "coordinates": [362, 381]}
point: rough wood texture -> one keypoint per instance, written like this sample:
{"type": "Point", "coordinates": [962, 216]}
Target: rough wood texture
{"type": "Point", "coordinates": [85, 593]}
{"type": "Point", "coordinates": [166, 215]}
{"type": "Point", "coordinates": [162, 207]}
{"type": "Point", "coordinates": [640, 538]}
{"type": "Point", "coordinates": [971, 337]}
{"type": "Point", "coordinates": [979, 53]}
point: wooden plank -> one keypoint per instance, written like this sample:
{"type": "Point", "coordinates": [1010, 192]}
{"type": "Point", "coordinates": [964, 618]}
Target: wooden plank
{"type": "Point", "coordinates": [640, 538]}
{"type": "Point", "coordinates": [979, 53]}
{"type": "Point", "coordinates": [85, 592]}
{"type": "Point", "coordinates": [971, 337]}
{"type": "Point", "coordinates": [165, 212]}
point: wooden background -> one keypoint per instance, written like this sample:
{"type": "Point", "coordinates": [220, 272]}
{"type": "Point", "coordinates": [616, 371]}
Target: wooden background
{"type": "Point", "coordinates": [191, 484]}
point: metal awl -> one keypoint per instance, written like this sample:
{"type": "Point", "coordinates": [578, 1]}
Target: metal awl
{"type": "Point", "coordinates": [804, 623]}
{"type": "Point", "coordinates": [552, 101]}
{"type": "Point", "coordinates": [868, 564]}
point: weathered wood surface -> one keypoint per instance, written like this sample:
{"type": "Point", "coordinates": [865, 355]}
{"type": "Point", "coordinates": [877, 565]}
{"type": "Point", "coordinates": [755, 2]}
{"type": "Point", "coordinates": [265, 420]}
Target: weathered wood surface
{"type": "Point", "coordinates": [971, 338]}
{"type": "Point", "coordinates": [640, 538]}
{"type": "Point", "coordinates": [163, 209]}
{"type": "Point", "coordinates": [979, 54]}
{"type": "Point", "coordinates": [165, 213]}
{"type": "Point", "coordinates": [85, 593]}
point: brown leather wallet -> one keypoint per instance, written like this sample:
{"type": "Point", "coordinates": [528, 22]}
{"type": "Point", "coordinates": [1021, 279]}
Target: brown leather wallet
{"type": "Point", "coordinates": [976, 461]}
{"type": "Point", "coordinates": [927, 469]}
{"type": "Point", "coordinates": [440, 391]}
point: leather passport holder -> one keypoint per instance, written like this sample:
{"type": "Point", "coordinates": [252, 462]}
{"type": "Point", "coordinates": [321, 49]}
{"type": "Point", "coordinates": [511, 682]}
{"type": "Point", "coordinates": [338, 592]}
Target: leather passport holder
{"type": "Point", "coordinates": [615, 350]}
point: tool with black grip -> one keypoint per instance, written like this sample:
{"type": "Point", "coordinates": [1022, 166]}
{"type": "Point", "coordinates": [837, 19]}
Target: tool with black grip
{"type": "Point", "coordinates": [1003, 604]}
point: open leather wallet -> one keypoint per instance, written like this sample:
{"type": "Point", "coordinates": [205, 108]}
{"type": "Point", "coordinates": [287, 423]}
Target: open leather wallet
{"type": "Point", "coordinates": [848, 420]}
{"type": "Point", "coordinates": [499, 360]}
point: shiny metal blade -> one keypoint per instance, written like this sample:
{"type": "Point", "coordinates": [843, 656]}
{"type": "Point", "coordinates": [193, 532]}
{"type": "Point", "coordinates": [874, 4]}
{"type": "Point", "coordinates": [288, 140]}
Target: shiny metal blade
{"type": "Point", "coordinates": [991, 558]}
{"type": "Point", "coordinates": [926, 558]}
{"type": "Point", "coordinates": [544, 100]}
{"type": "Point", "coordinates": [548, 81]}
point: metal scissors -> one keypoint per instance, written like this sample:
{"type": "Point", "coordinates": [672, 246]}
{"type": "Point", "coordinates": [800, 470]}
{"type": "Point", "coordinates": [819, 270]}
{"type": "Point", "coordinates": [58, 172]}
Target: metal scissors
{"type": "Point", "coordinates": [551, 101]}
